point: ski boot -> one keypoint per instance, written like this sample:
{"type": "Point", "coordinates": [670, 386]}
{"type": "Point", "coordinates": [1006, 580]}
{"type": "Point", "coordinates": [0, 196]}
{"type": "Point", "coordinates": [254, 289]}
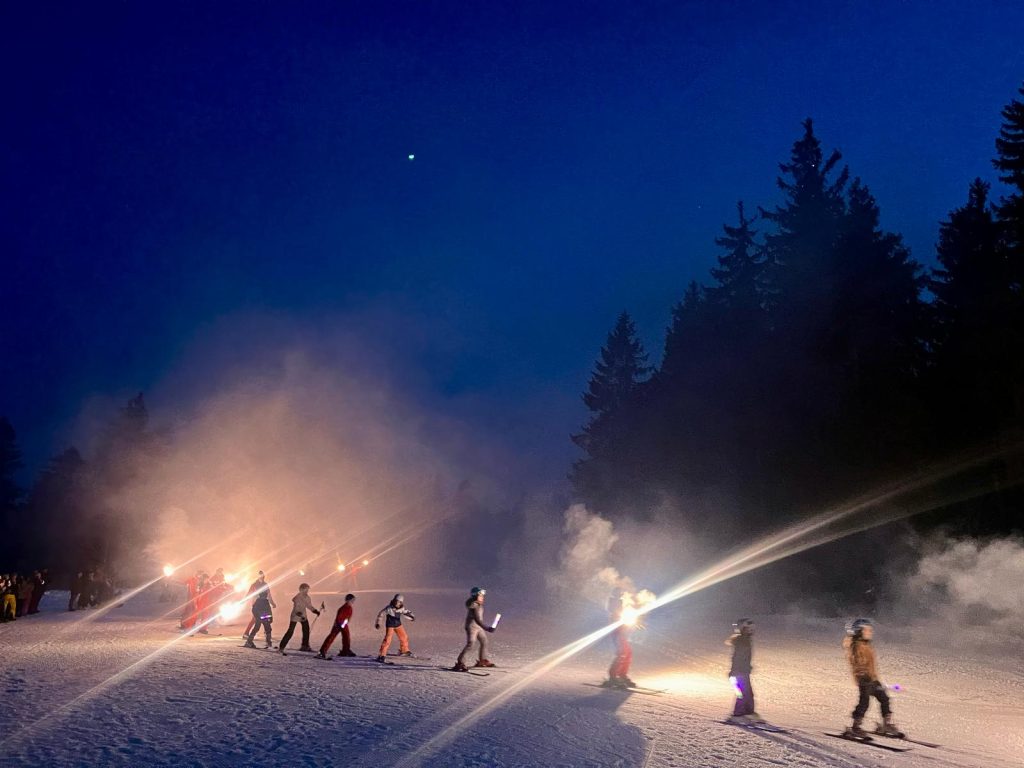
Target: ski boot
{"type": "Point", "coordinates": [753, 717]}
{"type": "Point", "coordinates": [460, 667]}
{"type": "Point", "coordinates": [856, 732]}
{"type": "Point", "coordinates": [249, 643]}
{"type": "Point", "coordinates": [407, 654]}
{"type": "Point", "coordinates": [324, 657]}
{"type": "Point", "coordinates": [347, 653]}
{"type": "Point", "coordinates": [889, 729]}
{"type": "Point", "coordinates": [382, 659]}
{"type": "Point", "coordinates": [306, 648]}
{"type": "Point", "coordinates": [484, 663]}
{"type": "Point", "coordinates": [204, 631]}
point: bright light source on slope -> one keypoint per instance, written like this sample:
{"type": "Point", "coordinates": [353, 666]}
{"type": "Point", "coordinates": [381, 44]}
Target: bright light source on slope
{"type": "Point", "coordinates": [168, 570]}
{"type": "Point", "coordinates": [341, 567]}
{"type": "Point", "coordinates": [630, 616]}
{"type": "Point", "coordinates": [366, 562]}
{"type": "Point", "coordinates": [230, 611]}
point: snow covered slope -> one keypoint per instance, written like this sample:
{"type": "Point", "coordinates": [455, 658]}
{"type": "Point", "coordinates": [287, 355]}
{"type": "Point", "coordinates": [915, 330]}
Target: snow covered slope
{"type": "Point", "coordinates": [69, 696]}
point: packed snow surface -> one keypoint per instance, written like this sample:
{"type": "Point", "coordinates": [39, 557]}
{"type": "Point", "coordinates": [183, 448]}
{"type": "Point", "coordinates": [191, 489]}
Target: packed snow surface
{"type": "Point", "coordinates": [72, 697]}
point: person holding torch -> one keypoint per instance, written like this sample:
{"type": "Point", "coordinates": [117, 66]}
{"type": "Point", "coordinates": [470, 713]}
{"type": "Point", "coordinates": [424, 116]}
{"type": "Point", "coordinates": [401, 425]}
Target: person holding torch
{"type": "Point", "coordinates": [476, 631]}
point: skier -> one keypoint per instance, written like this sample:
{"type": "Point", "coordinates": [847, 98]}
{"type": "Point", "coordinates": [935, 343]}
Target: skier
{"type": "Point", "coordinates": [40, 580]}
{"type": "Point", "coordinates": [261, 579]}
{"type": "Point", "coordinates": [392, 614]}
{"type": "Point", "coordinates": [262, 613]}
{"type": "Point", "coordinates": [188, 616]}
{"type": "Point", "coordinates": [300, 604]}
{"type": "Point", "coordinates": [618, 672]}
{"type": "Point", "coordinates": [476, 631]}
{"type": "Point", "coordinates": [861, 655]}
{"type": "Point", "coordinates": [341, 621]}
{"type": "Point", "coordinates": [76, 589]}
{"type": "Point", "coordinates": [742, 640]}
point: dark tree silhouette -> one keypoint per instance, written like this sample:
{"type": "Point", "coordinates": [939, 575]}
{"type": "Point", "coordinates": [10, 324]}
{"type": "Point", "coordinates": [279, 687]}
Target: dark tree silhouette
{"type": "Point", "coordinates": [619, 371]}
{"type": "Point", "coordinates": [1010, 164]}
{"type": "Point", "coordinates": [10, 491]}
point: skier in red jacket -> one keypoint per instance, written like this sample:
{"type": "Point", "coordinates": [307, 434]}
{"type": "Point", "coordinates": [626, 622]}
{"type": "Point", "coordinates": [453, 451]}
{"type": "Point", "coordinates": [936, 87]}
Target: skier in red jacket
{"type": "Point", "coordinates": [341, 621]}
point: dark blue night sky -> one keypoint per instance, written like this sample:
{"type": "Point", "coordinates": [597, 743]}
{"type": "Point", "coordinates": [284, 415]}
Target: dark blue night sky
{"type": "Point", "coordinates": [167, 168]}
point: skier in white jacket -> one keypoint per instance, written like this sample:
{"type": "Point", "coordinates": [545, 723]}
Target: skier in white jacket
{"type": "Point", "coordinates": [300, 604]}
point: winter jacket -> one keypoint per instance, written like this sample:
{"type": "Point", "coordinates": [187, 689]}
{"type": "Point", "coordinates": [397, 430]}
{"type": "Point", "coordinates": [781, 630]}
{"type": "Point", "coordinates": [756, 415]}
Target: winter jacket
{"type": "Point", "coordinates": [393, 616]}
{"type": "Point", "coordinates": [474, 615]}
{"type": "Point", "coordinates": [742, 655]}
{"type": "Point", "coordinates": [262, 592]}
{"type": "Point", "coordinates": [300, 604]}
{"type": "Point", "coordinates": [344, 614]}
{"type": "Point", "coordinates": [261, 606]}
{"type": "Point", "coordinates": [861, 655]}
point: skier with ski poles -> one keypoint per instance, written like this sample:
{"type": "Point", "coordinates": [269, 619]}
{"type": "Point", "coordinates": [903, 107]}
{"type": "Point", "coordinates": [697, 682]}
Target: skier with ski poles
{"type": "Point", "coordinates": [392, 614]}
{"type": "Point", "coordinates": [261, 580]}
{"type": "Point", "coordinates": [341, 621]}
{"type": "Point", "coordinates": [742, 641]}
{"type": "Point", "coordinates": [861, 655]}
{"type": "Point", "coordinates": [300, 604]}
{"type": "Point", "coordinates": [476, 631]}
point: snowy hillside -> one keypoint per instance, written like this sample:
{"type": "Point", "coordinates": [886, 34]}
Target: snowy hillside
{"type": "Point", "coordinates": [72, 698]}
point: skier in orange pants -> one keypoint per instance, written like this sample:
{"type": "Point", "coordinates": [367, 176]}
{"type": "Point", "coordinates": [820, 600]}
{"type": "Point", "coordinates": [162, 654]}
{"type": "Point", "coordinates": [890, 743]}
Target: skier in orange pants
{"type": "Point", "coordinates": [392, 614]}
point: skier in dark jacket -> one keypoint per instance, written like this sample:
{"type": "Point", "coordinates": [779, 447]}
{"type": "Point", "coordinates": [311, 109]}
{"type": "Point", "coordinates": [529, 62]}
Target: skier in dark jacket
{"type": "Point", "coordinates": [76, 589]}
{"type": "Point", "coordinates": [476, 631]}
{"type": "Point", "coordinates": [742, 642]}
{"type": "Point", "coordinates": [341, 621]}
{"type": "Point", "coordinates": [39, 581]}
{"type": "Point", "coordinates": [262, 615]}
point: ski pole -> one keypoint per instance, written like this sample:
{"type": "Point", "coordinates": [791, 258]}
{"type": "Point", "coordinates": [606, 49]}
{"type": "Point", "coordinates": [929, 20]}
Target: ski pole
{"type": "Point", "coordinates": [322, 606]}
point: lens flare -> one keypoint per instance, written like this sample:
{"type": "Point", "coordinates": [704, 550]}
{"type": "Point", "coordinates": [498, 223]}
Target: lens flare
{"type": "Point", "coordinates": [630, 616]}
{"type": "Point", "coordinates": [366, 562]}
{"type": "Point", "coordinates": [341, 567]}
{"type": "Point", "coordinates": [168, 570]}
{"type": "Point", "coordinates": [230, 611]}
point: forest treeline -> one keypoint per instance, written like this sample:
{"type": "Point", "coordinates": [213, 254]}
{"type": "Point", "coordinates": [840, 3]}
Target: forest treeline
{"type": "Point", "coordinates": [821, 360]}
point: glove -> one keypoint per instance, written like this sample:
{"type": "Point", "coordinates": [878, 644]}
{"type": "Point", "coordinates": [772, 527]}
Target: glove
{"type": "Point", "coordinates": [316, 611]}
{"type": "Point", "coordinates": [377, 625]}
{"type": "Point", "coordinates": [411, 617]}
{"type": "Point", "coordinates": [489, 629]}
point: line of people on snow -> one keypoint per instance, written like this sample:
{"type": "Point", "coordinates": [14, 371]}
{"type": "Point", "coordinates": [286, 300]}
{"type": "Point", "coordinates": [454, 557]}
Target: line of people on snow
{"type": "Point", "coordinates": [20, 594]}
{"type": "Point", "coordinates": [391, 616]}
{"type": "Point", "coordinates": [860, 654]}
{"type": "Point", "coordinates": [90, 589]}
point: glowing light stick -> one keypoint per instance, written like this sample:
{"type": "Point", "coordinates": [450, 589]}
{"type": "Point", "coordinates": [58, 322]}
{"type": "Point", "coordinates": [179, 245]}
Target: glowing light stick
{"type": "Point", "coordinates": [497, 618]}
{"type": "Point", "coordinates": [736, 687]}
{"type": "Point", "coordinates": [344, 623]}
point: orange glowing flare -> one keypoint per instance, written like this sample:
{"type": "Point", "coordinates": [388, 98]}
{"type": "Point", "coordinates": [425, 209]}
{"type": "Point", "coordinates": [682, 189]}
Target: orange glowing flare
{"type": "Point", "coordinates": [341, 567]}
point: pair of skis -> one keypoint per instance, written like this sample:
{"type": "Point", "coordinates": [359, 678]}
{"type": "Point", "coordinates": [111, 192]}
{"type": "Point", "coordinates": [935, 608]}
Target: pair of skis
{"type": "Point", "coordinates": [632, 689]}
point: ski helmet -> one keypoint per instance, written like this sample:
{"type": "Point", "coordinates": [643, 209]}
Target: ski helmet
{"type": "Point", "coordinates": [741, 625]}
{"type": "Point", "coordinates": [854, 627]}
{"type": "Point", "coordinates": [398, 598]}
{"type": "Point", "coordinates": [349, 597]}
{"type": "Point", "coordinates": [477, 591]}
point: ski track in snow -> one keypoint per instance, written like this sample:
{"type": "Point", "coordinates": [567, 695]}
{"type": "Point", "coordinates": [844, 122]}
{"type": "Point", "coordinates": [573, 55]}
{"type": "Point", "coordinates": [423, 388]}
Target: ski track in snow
{"type": "Point", "coordinates": [205, 701]}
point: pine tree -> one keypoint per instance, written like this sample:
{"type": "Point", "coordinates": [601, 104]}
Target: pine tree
{"type": "Point", "coordinates": [740, 273]}
{"type": "Point", "coordinates": [10, 463]}
{"type": "Point", "coordinates": [806, 228]}
{"type": "Point", "coordinates": [619, 371]}
{"type": "Point", "coordinates": [1010, 163]}
{"type": "Point", "coordinates": [684, 339]}
{"type": "Point", "coordinates": [65, 530]}
{"type": "Point", "coordinates": [10, 492]}
{"type": "Point", "coordinates": [975, 307]}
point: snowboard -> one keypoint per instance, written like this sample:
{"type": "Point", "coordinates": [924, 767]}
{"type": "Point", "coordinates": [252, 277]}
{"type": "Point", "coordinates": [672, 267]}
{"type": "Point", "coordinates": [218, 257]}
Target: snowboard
{"type": "Point", "coordinates": [767, 727]}
{"type": "Point", "coordinates": [929, 744]}
{"type": "Point", "coordinates": [867, 742]}
{"type": "Point", "coordinates": [644, 691]}
{"type": "Point", "coordinates": [468, 672]}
